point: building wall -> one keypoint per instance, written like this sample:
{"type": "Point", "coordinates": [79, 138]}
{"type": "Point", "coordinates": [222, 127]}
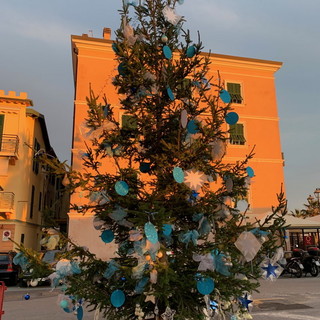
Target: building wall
{"type": "Point", "coordinates": [94, 65]}
{"type": "Point", "coordinates": [17, 174]}
{"type": "Point", "coordinates": [259, 114]}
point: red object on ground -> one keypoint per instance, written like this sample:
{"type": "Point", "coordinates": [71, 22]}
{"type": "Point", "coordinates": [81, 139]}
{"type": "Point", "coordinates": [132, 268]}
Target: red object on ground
{"type": "Point", "coordinates": [3, 288]}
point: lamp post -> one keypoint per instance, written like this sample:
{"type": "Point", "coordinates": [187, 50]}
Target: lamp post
{"type": "Point", "coordinates": [317, 195]}
{"type": "Point", "coordinates": [310, 199]}
{"type": "Point", "coordinates": [313, 206]}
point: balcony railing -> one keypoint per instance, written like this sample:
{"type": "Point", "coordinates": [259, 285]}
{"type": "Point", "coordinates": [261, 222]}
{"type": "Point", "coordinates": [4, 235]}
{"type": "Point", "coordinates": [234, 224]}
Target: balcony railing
{"type": "Point", "coordinates": [6, 201]}
{"type": "Point", "coordinates": [9, 144]}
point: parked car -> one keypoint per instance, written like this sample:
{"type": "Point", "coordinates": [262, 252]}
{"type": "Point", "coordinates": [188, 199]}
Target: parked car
{"type": "Point", "coordinates": [9, 272]}
{"type": "Point", "coordinates": [27, 279]}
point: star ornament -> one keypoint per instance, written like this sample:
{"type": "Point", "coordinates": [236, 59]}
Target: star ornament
{"type": "Point", "coordinates": [195, 179]}
{"type": "Point", "coordinates": [171, 16]}
{"type": "Point", "coordinates": [271, 271]}
{"type": "Point", "coordinates": [246, 301]}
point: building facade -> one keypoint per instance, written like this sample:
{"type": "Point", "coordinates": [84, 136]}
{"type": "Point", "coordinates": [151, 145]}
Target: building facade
{"type": "Point", "coordinates": [251, 83]}
{"type": "Point", "coordinates": [27, 187]}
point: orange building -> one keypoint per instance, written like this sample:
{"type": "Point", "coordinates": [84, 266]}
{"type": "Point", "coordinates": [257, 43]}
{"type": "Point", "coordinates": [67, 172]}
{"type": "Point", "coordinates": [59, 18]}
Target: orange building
{"type": "Point", "coordinates": [26, 187]}
{"type": "Point", "coordinates": [251, 83]}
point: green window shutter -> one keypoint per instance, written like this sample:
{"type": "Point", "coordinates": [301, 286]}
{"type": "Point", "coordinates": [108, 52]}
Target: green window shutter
{"type": "Point", "coordinates": [235, 91]}
{"type": "Point", "coordinates": [1, 129]}
{"type": "Point", "coordinates": [240, 129]}
{"type": "Point", "coordinates": [129, 125]}
{"type": "Point", "coordinates": [230, 87]}
{"type": "Point", "coordinates": [233, 129]}
{"type": "Point", "coordinates": [129, 122]}
{"type": "Point", "coordinates": [237, 134]}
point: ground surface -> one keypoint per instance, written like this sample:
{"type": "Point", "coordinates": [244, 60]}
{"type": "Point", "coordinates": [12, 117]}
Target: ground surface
{"type": "Point", "coordinates": [284, 299]}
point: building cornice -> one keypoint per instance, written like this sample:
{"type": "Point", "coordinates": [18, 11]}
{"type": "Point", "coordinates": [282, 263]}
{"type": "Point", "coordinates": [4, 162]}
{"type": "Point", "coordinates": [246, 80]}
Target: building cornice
{"type": "Point", "coordinates": [14, 98]}
{"type": "Point", "coordinates": [85, 41]}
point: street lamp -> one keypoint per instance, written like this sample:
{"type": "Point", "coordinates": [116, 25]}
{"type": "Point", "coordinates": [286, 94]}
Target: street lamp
{"type": "Point", "coordinates": [317, 194]}
{"type": "Point", "coordinates": [310, 198]}
{"type": "Point", "coordinates": [313, 206]}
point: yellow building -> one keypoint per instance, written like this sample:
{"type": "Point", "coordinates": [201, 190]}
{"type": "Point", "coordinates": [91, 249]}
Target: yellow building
{"type": "Point", "coordinates": [26, 187]}
{"type": "Point", "coordinates": [251, 83]}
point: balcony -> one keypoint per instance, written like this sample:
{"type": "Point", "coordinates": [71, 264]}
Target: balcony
{"type": "Point", "coordinates": [6, 201]}
{"type": "Point", "coordinates": [9, 144]}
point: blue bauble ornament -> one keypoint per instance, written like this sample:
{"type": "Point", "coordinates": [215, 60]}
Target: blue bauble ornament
{"type": "Point", "coordinates": [64, 304]}
{"type": "Point", "coordinates": [27, 296]}
{"type": "Point", "coordinates": [225, 96]}
{"type": "Point", "coordinates": [115, 48]}
{"type": "Point", "coordinates": [170, 94]}
{"type": "Point", "coordinates": [121, 188]}
{"type": "Point", "coordinates": [144, 167]}
{"type": "Point", "coordinates": [178, 174]}
{"type": "Point", "coordinates": [107, 236]}
{"type": "Point", "coordinates": [205, 285]}
{"type": "Point", "coordinates": [151, 232]}
{"type": "Point", "coordinates": [167, 229]}
{"type": "Point", "coordinates": [232, 118]}
{"type": "Point", "coordinates": [167, 52]}
{"type": "Point", "coordinates": [117, 298]}
{"type": "Point", "coordinates": [193, 126]}
{"type": "Point", "coordinates": [250, 172]}
{"type": "Point", "coordinates": [191, 51]}
{"type": "Point", "coordinates": [122, 69]}
{"type": "Point", "coordinates": [80, 313]}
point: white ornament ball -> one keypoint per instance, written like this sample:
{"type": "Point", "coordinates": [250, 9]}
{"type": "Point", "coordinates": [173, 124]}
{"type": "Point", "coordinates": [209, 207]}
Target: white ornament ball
{"type": "Point", "coordinates": [164, 38]}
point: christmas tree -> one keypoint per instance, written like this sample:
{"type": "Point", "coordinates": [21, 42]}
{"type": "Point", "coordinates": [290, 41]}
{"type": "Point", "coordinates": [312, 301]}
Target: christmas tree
{"type": "Point", "coordinates": [185, 249]}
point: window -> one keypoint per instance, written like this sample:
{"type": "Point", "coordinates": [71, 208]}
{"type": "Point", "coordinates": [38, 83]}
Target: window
{"type": "Point", "coordinates": [22, 238]}
{"type": "Point", "coordinates": [40, 201]}
{"type": "Point", "coordinates": [35, 165]}
{"type": "Point", "coordinates": [236, 134]}
{"type": "Point", "coordinates": [33, 189]}
{"type": "Point", "coordinates": [234, 90]}
{"type": "Point", "coordinates": [1, 128]}
{"type": "Point", "coordinates": [129, 124]}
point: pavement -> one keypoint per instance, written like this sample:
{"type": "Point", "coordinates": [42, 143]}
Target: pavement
{"type": "Point", "coordinates": [288, 298]}
{"type": "Point", "coordinates": [43, 304]}
{"type": "Point", "coordinates": [17, 293]}
{"type": "Point", "coordinates": [284, 299]}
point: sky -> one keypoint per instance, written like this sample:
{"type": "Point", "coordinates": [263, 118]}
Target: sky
{"type": "Point", "coordinates": [35, 57]}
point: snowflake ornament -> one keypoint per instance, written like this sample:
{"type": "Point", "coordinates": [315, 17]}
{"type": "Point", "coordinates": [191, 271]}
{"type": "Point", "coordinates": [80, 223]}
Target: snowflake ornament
{"type": "Point", "coordinates": [171, 16]}
{"type": "Point", "coordinates": [195, 179]}
{"type": "Point", "coordinates": [168, 314]}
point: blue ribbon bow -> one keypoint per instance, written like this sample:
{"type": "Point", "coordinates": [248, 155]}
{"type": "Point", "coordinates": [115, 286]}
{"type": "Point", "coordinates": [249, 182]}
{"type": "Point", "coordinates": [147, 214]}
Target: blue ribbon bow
{"type": "Point", "coordinates": [189, 236]}
{"type": "Point", "coordinates": [113, 267]}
